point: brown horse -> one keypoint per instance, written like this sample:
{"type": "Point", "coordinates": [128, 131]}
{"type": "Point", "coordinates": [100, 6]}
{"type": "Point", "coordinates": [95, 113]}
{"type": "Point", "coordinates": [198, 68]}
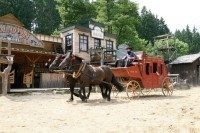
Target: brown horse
{"type": "Point", "coordinates": [89, 75]}
{"type": "Point", "coordinates": [72, 81]}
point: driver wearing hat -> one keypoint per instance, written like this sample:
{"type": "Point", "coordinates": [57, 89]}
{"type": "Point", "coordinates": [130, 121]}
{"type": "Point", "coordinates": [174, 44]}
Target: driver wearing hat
{"type": "Point", "coordinates": [129, 57]}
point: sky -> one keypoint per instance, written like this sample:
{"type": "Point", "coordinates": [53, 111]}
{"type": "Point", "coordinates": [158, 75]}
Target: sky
{"type": "Point", "coordinates": [176, 13]}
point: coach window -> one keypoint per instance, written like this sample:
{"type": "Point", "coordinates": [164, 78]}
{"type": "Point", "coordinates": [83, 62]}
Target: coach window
{"type": "Point", "coordinates": [147, 68]}
{"type": "Point", "coordinates": [83, 43]}
{"type": "Point", "coordinates": [155, 69]}
{"type": "Point", "coordinates": [97, 43]}
{"type": "Point", "coordinates": [68, 42]}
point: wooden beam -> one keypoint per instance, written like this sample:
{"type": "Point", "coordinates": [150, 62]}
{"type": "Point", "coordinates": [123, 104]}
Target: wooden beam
{"type": "Point", "coordinates": [37, 58]}
{"type": "Point", "coordinates": [28, 58]}
{"type": "Point", "coordinates": [9, 48]}
{"type": "Point", "coordinates": [0, 46]}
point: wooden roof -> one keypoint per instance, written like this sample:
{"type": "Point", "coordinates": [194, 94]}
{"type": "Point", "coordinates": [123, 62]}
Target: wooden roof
{"type": "Point", "coordinates": [11, 19]}
{"type": "Point", "coordinates": [186, 59]}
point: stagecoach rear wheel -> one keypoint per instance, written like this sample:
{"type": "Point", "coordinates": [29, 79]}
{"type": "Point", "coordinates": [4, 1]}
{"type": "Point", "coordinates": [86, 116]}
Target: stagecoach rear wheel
{"type": "Point", "coordinates": [167, 86]}
{"type": "Point", "coordinates": [133, 89]}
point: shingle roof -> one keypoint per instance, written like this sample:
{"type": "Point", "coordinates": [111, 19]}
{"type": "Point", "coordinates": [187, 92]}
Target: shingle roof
{"type": "Point", "coordinates": [186, 59]}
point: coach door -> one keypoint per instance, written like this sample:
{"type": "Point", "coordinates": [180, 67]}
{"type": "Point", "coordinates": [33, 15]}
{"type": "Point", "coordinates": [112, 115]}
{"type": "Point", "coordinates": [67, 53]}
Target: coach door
{"type": "Point", "coordinates": [148, 75]}
{"type": "Point", "coordinates": [155, 74]}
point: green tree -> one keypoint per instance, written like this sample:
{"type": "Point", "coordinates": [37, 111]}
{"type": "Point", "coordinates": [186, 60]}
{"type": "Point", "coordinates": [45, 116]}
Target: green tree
{"type": "Point", "coordinates": [120, 18]}
{"type": "Point", "coordinates": [192, 38]}
{"type": "Point", "coordinates": [151, 25]}
{"type": "Point", "coordinates": [75, 12]}
{"type": "Point", "coordinates": [181, 47]}
{"type": "Point", "coordinates": [22, 9]}
{"type": "Point", "coordinates": [47, 17]}
{"type": "Point", "coordinates": [106, 9]}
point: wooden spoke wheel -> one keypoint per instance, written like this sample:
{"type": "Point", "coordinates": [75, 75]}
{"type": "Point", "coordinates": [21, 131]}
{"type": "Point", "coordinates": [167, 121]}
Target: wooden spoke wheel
{"type": "Point", "coordinates": [122, 82]}
{"type": "Point", "coordinates": [115, 91]}
{"type": "Point", "coordinates": [133, 89]}
{"type": "Point", "coordinates": [167, 86]}
{"type": "Point", "coordinates": [145, 91]}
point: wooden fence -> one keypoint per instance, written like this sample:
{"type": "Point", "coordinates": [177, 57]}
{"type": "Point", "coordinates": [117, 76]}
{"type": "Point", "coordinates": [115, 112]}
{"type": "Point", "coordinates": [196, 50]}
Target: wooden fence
{"type": "Point", "coordinates": [52, 80]}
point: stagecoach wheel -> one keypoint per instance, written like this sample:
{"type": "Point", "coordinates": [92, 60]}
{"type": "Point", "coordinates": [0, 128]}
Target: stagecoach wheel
{"type": "Point", "coordinates": [145, 91]}
{"type": "Point", "coordinates": [133, 89]}
{"type": "Point", "coordinates": [115, 91]}
{"type": "Point", "coordinates": [167, 86]}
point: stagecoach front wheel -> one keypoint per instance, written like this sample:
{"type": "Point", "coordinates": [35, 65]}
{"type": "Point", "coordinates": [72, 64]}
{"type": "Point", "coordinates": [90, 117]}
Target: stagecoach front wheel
{"type": "Point", "coordinates": [133, 89]}
{"type": "Point", "coordinates": [167, 86]}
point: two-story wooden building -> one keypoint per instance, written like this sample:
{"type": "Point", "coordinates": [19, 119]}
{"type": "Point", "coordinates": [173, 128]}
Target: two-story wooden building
{"type": "Point", "coordinates": [81, 40]}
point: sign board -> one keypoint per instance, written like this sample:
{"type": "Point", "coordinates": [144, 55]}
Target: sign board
{"type": "Point", "coordinates": [97, 33]}
{"type": "Point", "coordinates": [18, 34]}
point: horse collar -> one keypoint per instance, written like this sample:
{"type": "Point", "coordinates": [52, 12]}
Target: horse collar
{"type": "Point", "coordinates": [80, 70]}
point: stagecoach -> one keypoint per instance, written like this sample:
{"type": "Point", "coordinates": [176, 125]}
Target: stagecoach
{"type": "Point", "coordinates": [144, 74]}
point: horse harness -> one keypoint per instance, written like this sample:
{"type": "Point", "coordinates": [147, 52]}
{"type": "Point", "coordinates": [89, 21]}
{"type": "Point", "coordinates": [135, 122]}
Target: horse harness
{"type": "Point", "coordinates": [81, 71]}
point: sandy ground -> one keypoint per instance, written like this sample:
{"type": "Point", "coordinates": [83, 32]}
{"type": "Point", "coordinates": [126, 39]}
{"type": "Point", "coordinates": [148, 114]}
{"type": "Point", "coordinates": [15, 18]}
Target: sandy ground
{"type": "Point", "coordinates": [50, 113]}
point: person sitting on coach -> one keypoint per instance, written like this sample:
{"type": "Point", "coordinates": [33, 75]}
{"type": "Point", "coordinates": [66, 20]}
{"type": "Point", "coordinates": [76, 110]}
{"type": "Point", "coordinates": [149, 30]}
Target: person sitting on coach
{"type": "Point", "coordinates": [130, 56]}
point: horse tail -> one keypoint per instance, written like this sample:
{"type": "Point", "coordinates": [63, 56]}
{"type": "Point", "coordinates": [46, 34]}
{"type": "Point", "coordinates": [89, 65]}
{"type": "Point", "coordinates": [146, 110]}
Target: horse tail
{"type": "Point", "coordinates": [119, 87]}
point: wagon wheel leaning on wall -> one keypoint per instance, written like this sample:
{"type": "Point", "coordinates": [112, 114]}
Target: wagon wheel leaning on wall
{"type": "Point", "coordinates": [167, 86]}
{"type": "Point", "coordinates": [133, 89]}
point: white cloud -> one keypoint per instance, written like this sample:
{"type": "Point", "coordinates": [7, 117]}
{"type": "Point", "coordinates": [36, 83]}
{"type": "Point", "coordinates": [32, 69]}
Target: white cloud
{"type": "Point", "coordinates": [176, 13]}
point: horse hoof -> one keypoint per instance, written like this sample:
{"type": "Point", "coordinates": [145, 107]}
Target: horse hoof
{"type": "Point", "coordinates": [69, 100]}
{"type": "Point", "coordinates": [84, 100]}
{"type": "Point", "coordinates": [108, 99]}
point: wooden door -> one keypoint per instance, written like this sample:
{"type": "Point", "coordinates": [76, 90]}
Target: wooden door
{"type": "Point", "coordinates": [147, 76]}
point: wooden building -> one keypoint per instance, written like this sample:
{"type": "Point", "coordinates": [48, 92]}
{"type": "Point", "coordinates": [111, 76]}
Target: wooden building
{"type": "Point", "coordinates": [188, 67]}
{"type": "Point", "coordinates": [32, 52]}
{"type": "Point", "coordinates": [89, 41]}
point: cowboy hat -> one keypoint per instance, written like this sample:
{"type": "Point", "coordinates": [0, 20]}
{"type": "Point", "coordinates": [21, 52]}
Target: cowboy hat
{"type": "Point", "coordinates": [129, 48]}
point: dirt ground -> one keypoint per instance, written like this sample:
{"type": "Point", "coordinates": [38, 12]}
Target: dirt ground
{"type": "Point", "coordinates": [50, 113]}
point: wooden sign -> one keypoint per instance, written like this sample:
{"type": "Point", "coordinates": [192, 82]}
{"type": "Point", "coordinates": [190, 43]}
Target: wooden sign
{"type": "Point", "coordinates": [97, 33]}
{"type": "Point", "coordinates": [17, 34]}
{"type": "Point", "coordinates": [97, 30]}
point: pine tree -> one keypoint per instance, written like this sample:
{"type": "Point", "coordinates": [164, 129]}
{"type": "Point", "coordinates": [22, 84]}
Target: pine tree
{"type": "Point", "coordinates": [47, 16]}
{"type": "Point", "coordinates": [22, 9]}
{"type": "Point", "coordinates": [75, 12]}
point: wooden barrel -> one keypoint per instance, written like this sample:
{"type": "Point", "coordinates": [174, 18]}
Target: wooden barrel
{"type": "Point", "coordinates": [52, 80]}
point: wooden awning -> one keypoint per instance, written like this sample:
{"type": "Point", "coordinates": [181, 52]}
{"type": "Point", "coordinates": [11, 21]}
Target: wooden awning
{"type": "Point", "coordinates": [23, 56]}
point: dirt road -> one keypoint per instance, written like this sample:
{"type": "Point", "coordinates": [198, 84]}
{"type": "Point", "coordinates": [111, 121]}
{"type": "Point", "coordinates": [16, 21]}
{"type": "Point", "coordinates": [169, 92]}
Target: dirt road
{"type": "Point", "coordinates": [50, 113]}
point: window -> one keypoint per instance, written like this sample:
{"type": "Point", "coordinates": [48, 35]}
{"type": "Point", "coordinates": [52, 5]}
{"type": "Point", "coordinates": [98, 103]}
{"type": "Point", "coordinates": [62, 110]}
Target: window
{"type": "Point", "coordinates": [83, 43]}
{"type": "Point", "coordinates": [68, 42]}
{"type": "Point", "coordinates": [109, 45]}
{"type": "Point", "coordinates": [147, 68]}
{"type": "Point", "coordinates": [97, 43]}
{"type": "Point", "coordinates": [155, 67]}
